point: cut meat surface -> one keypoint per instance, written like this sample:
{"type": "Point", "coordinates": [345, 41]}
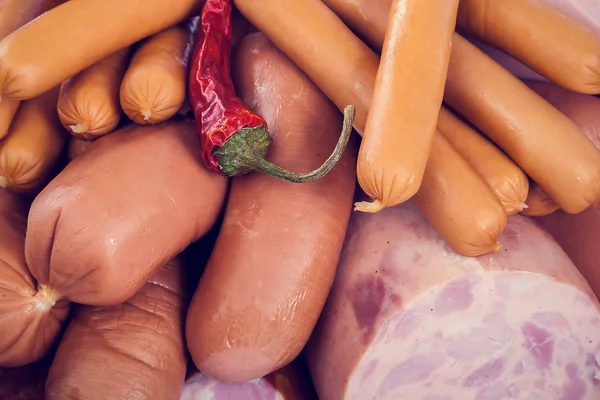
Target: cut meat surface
{"type": "Point", "coordinates": [409, 319]}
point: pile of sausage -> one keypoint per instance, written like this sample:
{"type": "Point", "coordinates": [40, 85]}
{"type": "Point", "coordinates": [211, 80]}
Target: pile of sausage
{"type": "Point", "coordinates": [469, 268]}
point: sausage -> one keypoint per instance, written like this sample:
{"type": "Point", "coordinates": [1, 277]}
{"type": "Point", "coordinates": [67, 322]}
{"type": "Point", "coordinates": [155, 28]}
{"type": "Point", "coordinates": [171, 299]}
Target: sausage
{"type": "Point", "coordinates": [142, 339]}
{"type": "Point", "coordinates": [406, 101]}
{"type": "Point", "coordinates": [88, 104]}
{"type": "Point", "coordinates": [452, 188]}
{"type": "Point", "coordinates": [508, 182]}
{"type": "Point", "coordinates": [77, 147]}
{"type": "Point", "coordinates": [31, 315]}
{"type": "Point", "coordinates": [406, 319]}
{"type": "Point", "coordinates": [249, 316]}
{"type": "Point", "coordinates": [345, 69]}
{"type": "Point", "coordinates": [577, 234]}
{"type": "Point", "coordinates": [154, 87]}
{"type": "Point", "coordinates": [36, 139]}
{"type": "Point", "coordinates": [538, 202]}
{"type": "Point", "coordinates": [134, 200]}
{"type": "Point", "coordinates": [8, 109]}
{"type": "Point", "coordinates": [77, 34]}
{"type": "Point", "coordinates": [533, 133]}
{"type": "Point", "coordinates": [552, 44]}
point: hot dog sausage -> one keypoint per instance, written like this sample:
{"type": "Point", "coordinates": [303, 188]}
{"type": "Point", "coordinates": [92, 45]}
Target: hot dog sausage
{"type": "Point", "coordinates": [77, 34]}
{"type": "Point", "coordinates": [539, 138]}
{"type": "Point", "coordinates": [344, 68]}
{"type": "Point", "coordinates": [556, 46]}
{"type": "Point", "coordinates": [31, 315]}
{"type": "Point", "coordinates": [131, 351]}
{"type": "Point", "coordinates": [249, 316]}
{"type": "Point", "coordinates": [506, 179]}
{"type": "Point", "coordinates": [406, 101]}
{"type": "Point", "coordinates": [408, 320]}
{"type": "Point", "coordinates": [8, 109]}
{"type": "Point", "coordinates": [88, 104]}
{"type": "Point", "coordinates": [36, 139]}
{"type": "Point", "coordinates": [538, 202]}
{"type": "Point", "coordinates": [154, 87]}
{"type": "Point", "coordinates": [77, 147]}
{"type": "Point", "coordinates": [132, 201]}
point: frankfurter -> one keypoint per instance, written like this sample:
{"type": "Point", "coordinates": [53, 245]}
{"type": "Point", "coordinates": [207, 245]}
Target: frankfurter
{"type": "Point", "coordinates": [249, 317]}
{"type": "Point", "coordinates": [345, 69]}
{"type": "Point", "coordinates": [88, 104]}
{"type": "Point", "coordinates": [77, 147]}
{"type": "Point", "coordinates": [135, 199]}
{"type": "Point", "coordinates": [538, 202]}
{"type": "Point", "coordinates": [508, 182]}
{"type": "Point", "coordinates": [8, 109]}
{"type": "Point", "coordinates": [42, 54]}
{"type": "Point", "coordinates": [406, 101]}
{"type": "Point", "coordinates": [407, 319]}
{"type": "Point", "coordinates": [36, 139]}
{"type": "Point", "coordinates": [31, 315]}
{"type": "Point", "coordinates": [132, 350]}
{"type": "Point", "coordinates": [549, 42]}
{"type": "Point", "coordinates": [154, 87]}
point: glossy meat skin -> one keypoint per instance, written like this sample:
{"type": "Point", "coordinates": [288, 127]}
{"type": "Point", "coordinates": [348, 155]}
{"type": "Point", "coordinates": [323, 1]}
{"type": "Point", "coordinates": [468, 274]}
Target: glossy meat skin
{"type": "Point", "coordinates": [131, 351]}
{"type": "Point", "coordinates": [134, 200]}
{"type": "Point", "coordinates": [409, 319]}
{"type": "Point", "coordinates": [274, 260]}
{"type": "Point", "coordinates": [31, 316]}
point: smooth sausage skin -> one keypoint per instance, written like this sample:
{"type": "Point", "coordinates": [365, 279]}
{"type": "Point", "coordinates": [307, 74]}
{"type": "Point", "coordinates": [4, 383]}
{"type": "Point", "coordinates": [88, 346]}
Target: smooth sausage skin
{"type": "Point", "coordinates": [134, 350]}
{"type": "Point", "coordinates": [154, 87]}
{"type": "Point", "coordinates": [30, 152]}
{"type": "Point", "coordinates": [506, 179]}
{"type": "Point", "coordinates": [117, 213]}
{"type": "Point", "coordinates": [88, 104]}
{"type": "Point", "coordinates": [16, 13]}
{"type": "Point", "coordinates": [77, 34]}
{"type": "Point", "coordinates": [31, 315]}
{"type": "Point", "coordinates": [408, 319]}
{"type": "Point", "coordinates": [274, 260]}
{"type": "Point", "coordinates": [538, 202]}
{"type": "Point", "coordinates": [8, 110]}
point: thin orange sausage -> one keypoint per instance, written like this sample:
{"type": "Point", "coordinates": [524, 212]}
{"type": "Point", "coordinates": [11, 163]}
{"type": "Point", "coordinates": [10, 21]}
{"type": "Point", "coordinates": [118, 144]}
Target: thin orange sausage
{"type": "Point", "coordinates": [406, 101]}
{"type": "Point", "coordinates": [154, 87]}
{"type": "Point", "coordinates": [546, 40]}
{"type": "Point", "coordinates": [538, 202]}
{"type": "Point", "coordinates": [8, 110]}
{"type": "Point", "coordinates": [539, 138]}
{"type": "Point", "coordinates": [77, 34]}
{"type": "Point", "coordinates": [28, 155]}
{"type": "Point", "coordinates": [88, 104]}
{"type": "Point", "coordinates": [507, 180]}
{"type": "Point", "coordinates": [459, 204]}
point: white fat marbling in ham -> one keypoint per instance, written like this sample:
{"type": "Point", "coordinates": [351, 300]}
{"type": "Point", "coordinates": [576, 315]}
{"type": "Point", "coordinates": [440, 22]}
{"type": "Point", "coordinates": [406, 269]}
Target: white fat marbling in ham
{"type": "Point", "coordinates": [201, 387]}
{"type": "Point", "coordinates": [408, 319]}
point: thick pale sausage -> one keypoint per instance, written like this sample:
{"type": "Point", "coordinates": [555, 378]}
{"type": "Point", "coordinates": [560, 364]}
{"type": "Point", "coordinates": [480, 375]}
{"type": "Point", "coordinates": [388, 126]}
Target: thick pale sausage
{"type": "Point", "coordinates": [344, 68]}
{"type": "Point", "coordinates": [551, 43]}
{"type": "Point", "coordinates": [458, 203]}
{"type": "Point", "coordinates": [77, 34]}
{"type": "Point", "coordinates": [36, 139]}
{"type": "Point", "coordinates": [130, 203]}
{"type": "Point", "coordinates": [31, 315]}
{"type": "Point", "coordinates": [289, 383]}
{"type": "Point", "coordinates": [88, 104]}
{"type": "Point", "coordinates": [506, 179]}
{"type": "Point", "coordinates": [134, 350]}
{"type": "Point", "coordinates": [406, 319]}
{"type": "Point", "coordinates": [154, 87]}
{"type": "Point", "coordinates": [538, 202]}
{"type": "Point", "coordinates": [249, 316]}
{"type": "Point", "coordinates": [77, 147]}
{"type": "Point", "coordinates": [406, 101]}
{"type": "Point", "coordinates": [8, 109]}
{"type": "Point", "coordinates": [538, 137]}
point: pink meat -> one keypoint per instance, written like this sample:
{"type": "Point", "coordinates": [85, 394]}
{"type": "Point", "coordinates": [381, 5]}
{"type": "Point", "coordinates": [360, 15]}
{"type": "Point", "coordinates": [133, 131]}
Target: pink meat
{"type": "Point", "coordinates": [409, 319]}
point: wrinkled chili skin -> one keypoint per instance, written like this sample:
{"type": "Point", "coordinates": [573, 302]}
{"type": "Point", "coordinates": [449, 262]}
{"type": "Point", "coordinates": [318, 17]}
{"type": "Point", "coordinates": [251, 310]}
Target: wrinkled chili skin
{"type": "Point", "coordinates": [219, 113]}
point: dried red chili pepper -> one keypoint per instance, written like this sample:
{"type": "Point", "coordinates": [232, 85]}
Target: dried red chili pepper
{"type": "Point", "coordinates": [234, 139]}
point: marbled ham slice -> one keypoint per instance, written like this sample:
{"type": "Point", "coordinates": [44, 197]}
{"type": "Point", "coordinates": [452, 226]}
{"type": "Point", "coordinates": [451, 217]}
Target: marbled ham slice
{"type": "Point", "coordinates": [409, 319]}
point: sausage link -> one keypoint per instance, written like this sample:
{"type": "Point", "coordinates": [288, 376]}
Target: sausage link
{"type": "Point", "coordinates": [36, 139]}
{"type": "Point", "coordinates": [77, 147]}
{"type": "Point", "coordinates": [141, 341]}
{"type": "Point", "coordinates": [249, 316]}
{"type": "Point", "coordinates": [507, 180]}
{"type": "Point", "coordinates": [556, 46]}
{"type": "Point", "coordinates": [77, 34]}
{"type": "Point", "coordinates": [8, 110]}
{"type": "Point", "coordinates": [88, 104]}
{"type": "Point", "coordinates": [154, 87]}
{"type": "Point", "coordinates": [538, 202]}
